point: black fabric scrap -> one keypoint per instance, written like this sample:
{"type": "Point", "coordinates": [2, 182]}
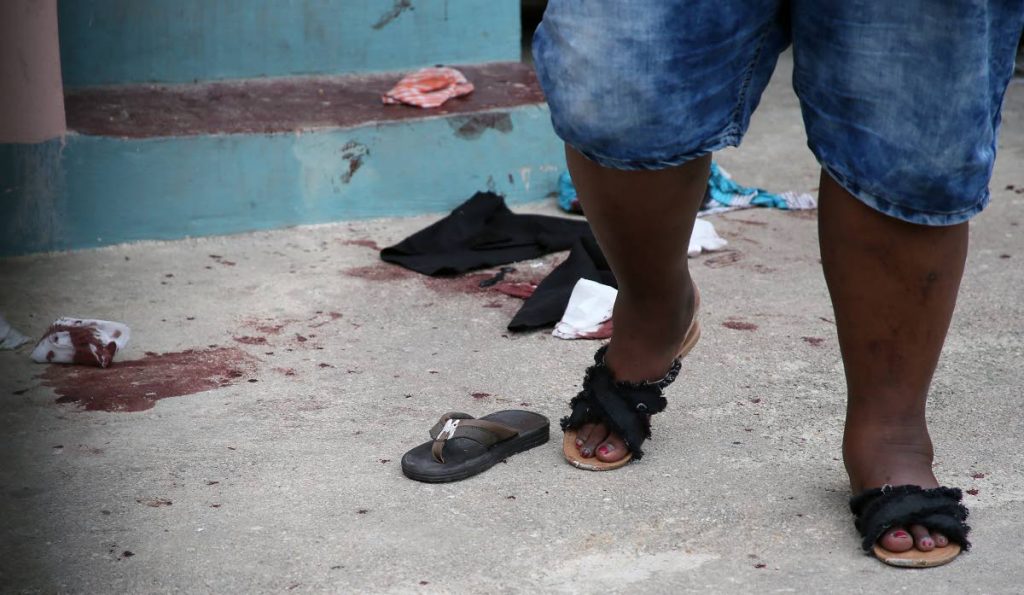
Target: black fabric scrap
{"type": "Point", "coordinates": [547, 304]}
{"type": "Point", "coordinates": [482, 233]}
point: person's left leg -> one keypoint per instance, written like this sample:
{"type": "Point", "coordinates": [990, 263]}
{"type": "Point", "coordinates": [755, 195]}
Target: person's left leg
{"type": "Point", "coordinates": [907, 141]}
{"type": "Point", "coordinates": [893, 285]}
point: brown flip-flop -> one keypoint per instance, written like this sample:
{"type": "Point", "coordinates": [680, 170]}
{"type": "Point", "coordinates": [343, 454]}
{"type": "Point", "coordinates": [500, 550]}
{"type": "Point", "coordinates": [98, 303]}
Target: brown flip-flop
{"type": "Point", "coordinates": [462, 446]}
{"type": "Point", "coordinates": [625, 407]}
{"type": "Point", "coordinates": [878, 510]}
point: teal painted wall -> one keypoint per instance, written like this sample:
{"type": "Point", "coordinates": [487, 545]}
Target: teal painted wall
{"type": "Point", "coordinates": [98, 190]}
{"type": "Point", "coordinates": [175, 41]}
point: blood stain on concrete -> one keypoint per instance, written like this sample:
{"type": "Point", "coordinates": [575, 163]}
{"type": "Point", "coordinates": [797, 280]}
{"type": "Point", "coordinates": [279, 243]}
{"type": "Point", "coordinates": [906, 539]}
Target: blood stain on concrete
{"type": "Point", "coordinates": [393, 13]}
{"type": "Point", "coordinates": [479, 396]}
{"type": "Point", "coordinates": [379, 272]}
{"type": "Point", "coordinates": [465, 284]}
{"type": "Point", "coordinates": [724, 259]}
{"type": "Point", "coordinates": [352, 153]}
{"type": "Point", "coordinates": [331, 317]}
{"type": "Point", "coordinates": [221, 260]}
{"type": "Point", "coordinates": [604, 331]}
{"type": "Point", "coordinates": [747, 222]}
{"type": "Point", "coordinates": [365, 243]}
{"type": "Point", "coordinates": [813, 341]}
{"type": "Point", "coordinates": [136, 385]}
{"type": "Point", "coordinates": [270, 329]}
{"type": "Point", "coordinates": [249, 340]}
{"type": "Point", "coordinates": [468, 284]}
{"type": "Point", "coordinates": [471, 127]}
{"type": "Point", "coordinates": [740, 325]}
{"type": "Point", "coordinates": [521, 290]}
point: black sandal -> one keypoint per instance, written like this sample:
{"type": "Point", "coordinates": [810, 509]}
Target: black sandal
{"type": "Point", "coordinates": [939, 509]}
{"type": "Point", "coordinates": [625, 407]}
{"type": "Point", "coordinates": [462, 446]}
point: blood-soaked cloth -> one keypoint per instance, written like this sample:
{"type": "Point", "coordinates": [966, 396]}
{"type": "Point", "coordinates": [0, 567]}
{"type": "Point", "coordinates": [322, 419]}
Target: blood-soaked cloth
{"type": "Point", "coordinates": [429, 87]}
{"type": "Point", "coordinates": [483, 233]}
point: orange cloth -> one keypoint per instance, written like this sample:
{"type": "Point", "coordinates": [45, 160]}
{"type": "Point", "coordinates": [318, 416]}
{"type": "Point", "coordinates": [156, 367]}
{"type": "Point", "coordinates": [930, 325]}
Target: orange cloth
{"type": "Point", "coordinates": [429, 87]}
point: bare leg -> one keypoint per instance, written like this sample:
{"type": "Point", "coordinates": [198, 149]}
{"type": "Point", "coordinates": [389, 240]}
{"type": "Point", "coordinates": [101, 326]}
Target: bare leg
{"type": "Point", "coordinates": [643, 221]}
{"type": "Point", "coordinates": [893, 287]}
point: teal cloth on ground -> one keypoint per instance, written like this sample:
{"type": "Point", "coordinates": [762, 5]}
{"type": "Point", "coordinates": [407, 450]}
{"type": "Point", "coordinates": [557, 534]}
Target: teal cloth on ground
{"type": "Point", "coordinates": [723, 194]}
{"type": "Point", "coordinates": [567, 194]}
{"type": "Point", "coordinates": [725, 190]}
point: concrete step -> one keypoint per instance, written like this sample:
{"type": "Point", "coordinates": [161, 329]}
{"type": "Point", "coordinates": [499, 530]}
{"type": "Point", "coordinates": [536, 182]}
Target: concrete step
{"type": "Point", "coordinates": [170, 161]}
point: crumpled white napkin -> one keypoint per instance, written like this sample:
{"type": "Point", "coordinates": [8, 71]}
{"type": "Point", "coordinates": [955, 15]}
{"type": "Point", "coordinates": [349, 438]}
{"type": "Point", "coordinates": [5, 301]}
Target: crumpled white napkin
{"type": "Point", "coordinates": [10, 338]}
{"type": "Point", "coordinates": [81, 341]}
{"type": "Point", "coordinates": [589, 312]}
{"type": "Point", "coordinates": [704, 238]}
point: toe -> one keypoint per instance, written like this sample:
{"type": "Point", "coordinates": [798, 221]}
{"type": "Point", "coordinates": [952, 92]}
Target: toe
{"type": "Point", "coordinates": [939, 539]}
{"type": "Point", "coordinates": [896, 540]}
{"type": "Point", "coordinates": [582, 434]}
{"type": "Point", "coordinates": [922, 538]}
{"type": "Point", "coordinates": [596, 437]}
{"type": "Point", "coordinates": [613, 449]}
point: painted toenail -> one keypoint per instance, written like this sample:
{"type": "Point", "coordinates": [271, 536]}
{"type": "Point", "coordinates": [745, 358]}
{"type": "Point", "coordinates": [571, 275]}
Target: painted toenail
{"type": "Point", "coordinates": [586, 452]}
{"type": "Point", "coordinates": [579, 442]}
{"type": "Point", "coordinates": [927, 542]}
{"type": "Point", "coordinates": [901, 534]}
{"type": "Point", "coordinates": [607, 448]}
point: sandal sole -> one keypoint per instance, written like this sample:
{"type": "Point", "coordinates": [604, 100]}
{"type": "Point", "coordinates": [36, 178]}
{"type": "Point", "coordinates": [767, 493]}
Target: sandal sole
{"type": "Point", "coordinates": [916, 558]}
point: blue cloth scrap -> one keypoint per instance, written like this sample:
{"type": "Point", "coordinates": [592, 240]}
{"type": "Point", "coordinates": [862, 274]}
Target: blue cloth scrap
{"type": "Point", "coordinates": [567, 194]}
{"type": "Point", "coordinates": [723, 194]}
{"type": "Point", "coordinates": [723, 189]}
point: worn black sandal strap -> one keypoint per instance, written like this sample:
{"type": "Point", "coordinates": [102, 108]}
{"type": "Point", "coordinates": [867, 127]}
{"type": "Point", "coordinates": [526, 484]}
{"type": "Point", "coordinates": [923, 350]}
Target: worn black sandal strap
{"type": "Point", "coordinates": [939, 509]}
{"type": "Point", "coordinates": [623, 406]}
{"type": "Point", "coordinates": [462, 425]}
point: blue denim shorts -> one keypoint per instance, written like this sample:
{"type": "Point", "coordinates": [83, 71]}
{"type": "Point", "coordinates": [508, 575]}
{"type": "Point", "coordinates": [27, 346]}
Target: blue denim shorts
{"type": "Point", "coordinates": [900, 99]}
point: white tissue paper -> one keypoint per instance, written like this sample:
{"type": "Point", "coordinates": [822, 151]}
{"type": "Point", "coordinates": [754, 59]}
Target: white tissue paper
{"type": "Point", "coordinates": [704, 239]}
{"type": "Point", "coordinates": [81, 341]}
{"type": "Point", "coordinates": [589, 313]}
{"type": "Point", "coordinates": [10, 338]}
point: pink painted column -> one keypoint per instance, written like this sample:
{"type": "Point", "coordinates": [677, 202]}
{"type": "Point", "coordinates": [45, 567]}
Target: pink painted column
{"type": "Point", "coordinates": [31, 92]}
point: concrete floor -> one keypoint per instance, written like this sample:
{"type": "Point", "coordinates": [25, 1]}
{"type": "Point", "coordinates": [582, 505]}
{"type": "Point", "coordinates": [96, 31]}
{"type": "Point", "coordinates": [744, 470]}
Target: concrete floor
{"type": "Point", "coordinates": [286, 478]}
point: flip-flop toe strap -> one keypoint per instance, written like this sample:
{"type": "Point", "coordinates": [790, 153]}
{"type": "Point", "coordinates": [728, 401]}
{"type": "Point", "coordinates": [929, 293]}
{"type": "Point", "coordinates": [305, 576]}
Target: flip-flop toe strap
{"type": "Point", "coordinates": [462, 425]}
{"type": "Point", "coordinates": [939, 509]}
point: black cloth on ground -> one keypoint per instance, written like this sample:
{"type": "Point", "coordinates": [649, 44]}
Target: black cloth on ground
{"type": "Point", "coordinates": [482, 233]}
{"type": "Point", "coordinates": [547, 304]}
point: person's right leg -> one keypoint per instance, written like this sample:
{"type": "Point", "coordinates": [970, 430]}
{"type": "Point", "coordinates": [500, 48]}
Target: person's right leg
{"type": "Point", "coordinates": [642, 221]}
{"type": "Point", "coordinates": [642, 92]}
